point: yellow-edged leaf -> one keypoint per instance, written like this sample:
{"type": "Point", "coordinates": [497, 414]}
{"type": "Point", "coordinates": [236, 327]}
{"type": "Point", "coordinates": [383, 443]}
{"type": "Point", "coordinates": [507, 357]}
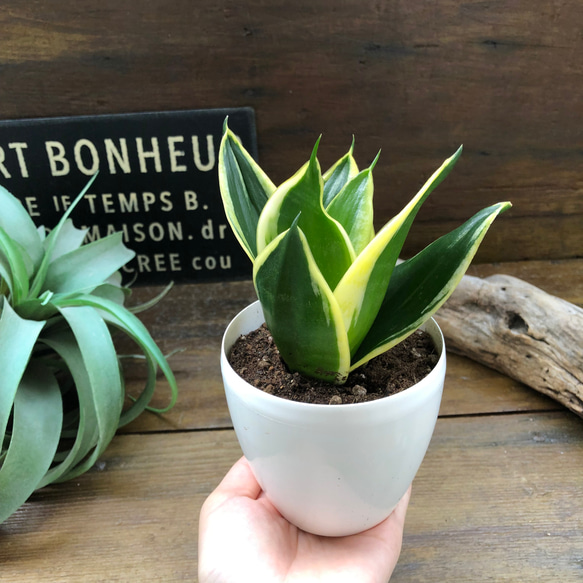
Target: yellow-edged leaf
{"type": "Point", "coordinates": [245, 189]}
{"type": "Point", "coordinates": [300, 310]}
{"type": "Point", "coordinates": [301, 195]}
{"type": "Point", "coordinates": [420, 285]}
{"type": "Point", "coordinates": [361, 291]}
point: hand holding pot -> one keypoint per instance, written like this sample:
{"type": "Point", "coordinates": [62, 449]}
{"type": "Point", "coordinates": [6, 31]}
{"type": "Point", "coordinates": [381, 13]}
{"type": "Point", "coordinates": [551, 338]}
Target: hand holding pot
{"type": "Point", "coordinates": [242, 537]}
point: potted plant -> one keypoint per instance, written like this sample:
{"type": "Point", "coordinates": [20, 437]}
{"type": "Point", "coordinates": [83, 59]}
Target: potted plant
{"type": "Point", "coordinates": [334, 296]}
{"type": "Point", "coordinates": [62, 394]}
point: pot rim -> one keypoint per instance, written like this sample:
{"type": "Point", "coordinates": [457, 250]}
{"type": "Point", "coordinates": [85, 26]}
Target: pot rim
{"type": "Point", "coordinates": [248, 391]}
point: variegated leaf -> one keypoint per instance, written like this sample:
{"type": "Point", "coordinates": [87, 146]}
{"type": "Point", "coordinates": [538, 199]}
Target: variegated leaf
{"type": "Point", "coordinates": [301, 195]}
{"type": "Point", "coordinates": [336, 177]}
{"type": "Point", "coordinates": [245, 189]}
{"type": "Point", "coordinates": [361, 290]}
{"type": "Point", "coordinates": [300, 310]}
{"type": "Point", "coordinates": [420, 285]}
{"type": "Point", "coordinates": [353, 208]}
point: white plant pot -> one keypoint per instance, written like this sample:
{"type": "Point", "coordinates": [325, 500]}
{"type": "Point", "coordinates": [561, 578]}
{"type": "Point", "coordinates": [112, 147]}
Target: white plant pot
{"type": "Point", "coordinates": [332, 470]}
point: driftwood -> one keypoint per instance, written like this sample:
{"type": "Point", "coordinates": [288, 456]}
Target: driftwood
{"type": "Point", "coordinates": [521, 331]}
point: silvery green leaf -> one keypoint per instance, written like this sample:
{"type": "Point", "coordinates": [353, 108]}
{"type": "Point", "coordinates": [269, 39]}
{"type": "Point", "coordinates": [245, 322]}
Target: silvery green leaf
{"type": "Point", "coordinates": [36, 430]}
{"type": "Point", "coordinates": [88, 266]}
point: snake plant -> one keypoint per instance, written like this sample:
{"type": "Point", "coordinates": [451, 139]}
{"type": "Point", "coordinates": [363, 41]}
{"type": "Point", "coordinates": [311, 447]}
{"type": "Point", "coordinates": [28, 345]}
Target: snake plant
{"type": "Point", "coordinates": [62, 387]}
{"type": "Point", "coordinates": [332, 291]}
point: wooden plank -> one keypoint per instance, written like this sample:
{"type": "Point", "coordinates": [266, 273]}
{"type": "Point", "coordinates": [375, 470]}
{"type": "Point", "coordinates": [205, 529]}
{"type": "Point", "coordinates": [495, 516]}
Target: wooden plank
{"type": "Point", "coordinates": [415, 79]}
{"type": "Point", "coordinates": [473, 389]}
{"type": "Point", "coordinates": [132, 518]}
{"type": "Point", "coordinates": [194, 317]}
{"type": "Point", "coordinates": [497, 499]}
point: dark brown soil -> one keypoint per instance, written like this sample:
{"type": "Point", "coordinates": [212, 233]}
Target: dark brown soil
{"type": "Point", "coordinates": [256, 358]}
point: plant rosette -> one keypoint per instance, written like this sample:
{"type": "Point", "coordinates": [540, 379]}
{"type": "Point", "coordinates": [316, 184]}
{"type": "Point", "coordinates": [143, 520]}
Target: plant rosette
{"type": "Point", "coordinates": [334, 295]}
{"type": "Point", "coordinates": [63, 394]}
{"type": "Point", "coordinates": [332, 470]}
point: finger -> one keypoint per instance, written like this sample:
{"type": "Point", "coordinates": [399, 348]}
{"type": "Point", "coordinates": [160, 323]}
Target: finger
{"type": "Point", "coordinates": [239, 481]}
{"type": "Point", "coordinates": [400, 511]}
{"type": "Point", "coordinates": [391, 529]}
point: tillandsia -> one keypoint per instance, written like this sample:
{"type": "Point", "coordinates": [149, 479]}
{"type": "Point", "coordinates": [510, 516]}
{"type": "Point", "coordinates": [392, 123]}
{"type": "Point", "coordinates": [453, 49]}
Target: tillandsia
{"type": "Point", "coordinates": [62, 391]}
{"type": "Point", "coordinates": [333, 292]}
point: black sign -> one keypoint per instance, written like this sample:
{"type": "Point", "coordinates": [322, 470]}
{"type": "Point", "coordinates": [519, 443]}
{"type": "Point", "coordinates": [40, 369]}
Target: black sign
{"type": "Point", "coordinates": [157, 184]}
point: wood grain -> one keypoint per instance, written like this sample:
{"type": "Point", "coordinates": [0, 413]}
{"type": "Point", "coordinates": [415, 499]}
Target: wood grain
{"type": "Point", "coordinates": [413, 78]}
{"type": "Point", "coordinates": [194, 317]}
{"type": "Point", "coordinates": [497, 499]}
{"type": "Point", "coordinates": [521, 331]}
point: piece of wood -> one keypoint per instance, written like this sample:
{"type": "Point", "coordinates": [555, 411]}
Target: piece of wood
{"type": "Point", "coordinates": [415, 79]}
{"type": "Point", "coordinates": [559, 278]}
{"type": "Point", "coordinates": [520, 330]}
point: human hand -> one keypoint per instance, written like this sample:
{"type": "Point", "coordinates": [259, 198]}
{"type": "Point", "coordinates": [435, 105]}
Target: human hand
{"type": "Point", "coordinates": [243, 538]}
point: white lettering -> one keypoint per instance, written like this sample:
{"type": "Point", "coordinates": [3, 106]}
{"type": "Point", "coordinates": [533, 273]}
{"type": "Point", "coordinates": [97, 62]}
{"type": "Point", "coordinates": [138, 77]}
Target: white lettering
{"type": "Point", "coordinates": [190, 200]}
{"type": "Point", "coordinates": [93, 154]}
{"type": "Point", "coordinates": [143, 263]}
{"type": "Point", "coordinates": [90, 198]}
{"type": "Point", "coordinates": [107, 201]}
{"type": "Point", "coordinates": [31, 206]}
{"type": "Point", "coordinates": [175, 262]}
{"type": "Point", "coordinates": [148, 199]}
{"type": "Point", "coordinates": [175, 154]}
{"type": "Point", "coordinates": [160, 262]}
{"type": "Point", "coordinates": [166, 202]}
{"type": "Point", "coordinates": [156, 232]}
{"type": "Point", "coordinates": [92, 233]}
{"type": "Point", "coordinates": [61, 203]}
{"type": "Point", "coordinates": [3, 168]}
{"type": "Point", "coordinates": [19, 146]}
{"type": "Point", "coordinates": [210, 145]}
{"type": "Point", "coordinates": [207, 231]}
{"type": "Point", "coordinates": [143, 155]}
{"type": "Point", "coordinates": [121, 158]}
{"type": "Point", "coordinates": [210, 262]}
{"type": "Point", "coordinates": [175, 231]}
{"type": "Point", "coordinates": [128, 206]}
{"type": "Point", "coordinates": [138, 229]}
{"type": "Point", "coordinates": [58, 163]}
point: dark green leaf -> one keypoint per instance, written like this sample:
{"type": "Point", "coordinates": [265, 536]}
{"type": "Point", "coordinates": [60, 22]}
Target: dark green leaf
{"type": "Point", "coordinates": [300, 309]}
{"type": "Point", "coordinates": [420, 285]}
{"type": "Point", "coordinates": [245, 189]}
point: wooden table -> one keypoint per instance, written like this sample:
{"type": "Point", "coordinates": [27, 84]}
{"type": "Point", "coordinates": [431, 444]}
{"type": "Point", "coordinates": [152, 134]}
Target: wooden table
{"type": "Point", "coordinates": [498, 497]}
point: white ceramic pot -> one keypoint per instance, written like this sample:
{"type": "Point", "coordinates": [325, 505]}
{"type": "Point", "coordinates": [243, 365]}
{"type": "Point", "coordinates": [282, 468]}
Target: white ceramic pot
{"type": "Point", "coordinates": [332, 470]}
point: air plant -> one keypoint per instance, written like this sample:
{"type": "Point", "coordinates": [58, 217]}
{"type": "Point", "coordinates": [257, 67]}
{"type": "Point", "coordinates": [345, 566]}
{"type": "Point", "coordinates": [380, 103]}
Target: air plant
{"type": "Point", "coordinates": [332, 291]}
{"type": "Point", "coordinates": [62, 389]}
